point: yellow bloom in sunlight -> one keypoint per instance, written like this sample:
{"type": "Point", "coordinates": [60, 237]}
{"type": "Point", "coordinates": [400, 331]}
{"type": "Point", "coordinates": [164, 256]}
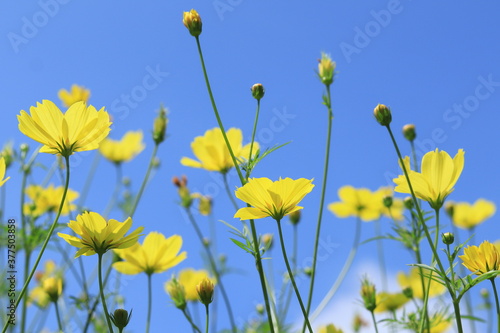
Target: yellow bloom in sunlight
{"type": "Point", "coordinates": [467, 216]}
{"type": "Point", "coordinates": [390, 302]}
{"type": "Point", "coordinates": [213, 154]}
{"type": "Point", "coordinates": [81, 128]}
{"type": "Point", "coordinates": [481, 259]}
{"type": "Point", "coordinates": [48, 200]}
{"type": "Point", "coordinates": [98, 235]}
{"type": "Point", "coordinates": [155, 255]}
{"type": "Point", "coordinates": [274, 199]}
{"type": "Point", "coordinates": [359, 202]}
{"type": "Point", "coordinates": [329, 329]}
{"type": "Point", "coordinates": [76, 94]}
{"type": "Point", "coordinates": [53, 287]}
{"type": "Point", "coordinates": [190, 278]}
{"type": "Point", "coordinates": [123, 150]}
{"type": "Point", "coordinates": [438, 177]}
{"type": "Point", "coordinates": [2, 172]}
{"type": "Point", "coordinates": [414, 281]}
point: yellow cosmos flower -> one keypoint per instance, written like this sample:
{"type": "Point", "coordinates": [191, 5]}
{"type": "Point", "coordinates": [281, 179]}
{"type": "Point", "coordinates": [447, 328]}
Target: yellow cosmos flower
{"type": "Point", "coordinates": [155, 255]}
{"type": "Point", "coordinates": [81, 128]}
{"type": "Point", "coordinates": [48, 199]}
{"type": "Point", "coordinates": [50, 284]}
{"type": "Point", "coordinates": [414, 281]}
{"type": "Point", "coordinates": [467, 216]}
{"type": "Point", "coordinates": [329, 329]}
{"type": "Point", "coordinates": [53, 287]}
{"type": "Point", "coordinates": [76, 94]}
{"type": "Point", "coordinates": [212, 152]}
{"type": "Point", "coordinates": [274, 199]}
{"type": "Point", "coordinates": [481, 259]}
{"type": "Point", "coordinates": [438, 177]}
{"type": "Point", "coordinates": [390, 302]}
{"type": "Point", "coordinates": [98, 235]}
{"type": "Point", "coordinates": [123, 150]}
{"type": "Point", "coordinates": [360, 202]}
{"type": "Point", "coordinates": [2, 172]}
{"type": "Point", "coordinates": [189, 279]}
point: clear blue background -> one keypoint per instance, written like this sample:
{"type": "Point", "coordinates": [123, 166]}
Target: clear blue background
{"type": "Point", "coordinates": [424, 59]}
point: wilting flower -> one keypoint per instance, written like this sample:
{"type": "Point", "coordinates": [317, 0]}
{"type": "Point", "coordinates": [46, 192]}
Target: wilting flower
{"type": "Point", "coordinates": [360, 202]}
{"type": "Point", "coordinates": [2, 172]}
{"type": "Point", "coordinates": [274, 199]}
{"type": "Point", "coordinates": [76, 94]}
{"type": "Point", "coordinates": [81, 128]}
{"type": "Point", "coordinates": [326, 69]}
{"type": "Point", "coordinates": [438, 177]}
{"type": "Point", "coordinates": [48, 199]}
{"type": "Point", "coordinates": [329, 329]}
{"type": "Point", "coordinates": [123, 150]}
{"type": "Point", "coordinates": [192, 21]}
{"type": "Point", "coordinates": [468, 216]}
{"type": "Point", "coordinates": [390, 302]}
{"type": "Point", "coordinates": [414, 281]}
{"type": "Point", "coordinates": [189, 279]}
{"type": "Point", "coordinates": [482, 259]}
{"type": "Point", "coordinates": [212, 152]}
{"type": "Point", "coordinates": [98, 235]}
{"type": "Point", "coordinates": [155, 255]}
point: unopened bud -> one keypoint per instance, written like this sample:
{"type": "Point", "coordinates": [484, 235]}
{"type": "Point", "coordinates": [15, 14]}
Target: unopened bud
{"type": "Point", "coordinates": [120, 318]}
{"type": "Point", "coordinates": [308, 271]}
{"type": "Point", "coordinates": [257, 91]}
{"type": "Point", "coordinates": [409, 132]}
{"type": "Point", "coordinates": [408, 202]}
{"type": "Point", "coordinates": [205, 291]}
{"type": "Point", "coordinates": [326, 69]}
{"type": "Point", "coordinates": [368, 294]}
{"type": "Point", "coordinates": [267, 240]}
{"type": "Point", "coordinates": [205, 205]}
{"type": "Point", "coordinates": [448, 238]}
{"type": "Point", "coordinates": [260, 309]}
{"type": "Point", "coordinates": [177, 293]}
{"type": "Point", "coordinates": [192, 21]}
{"type": "Point", "coordinates": [160, 126]}
{"type": "Point", "coordinates": [449, 208]}
{"type": "Point", "coordinates": [387, 201]}
{"type": "Point", "coordinates": [382, 114]}
{"type": "Point", "coordinates": [295, 217]}
{"type": "Point", "coordinates": [408, 292]}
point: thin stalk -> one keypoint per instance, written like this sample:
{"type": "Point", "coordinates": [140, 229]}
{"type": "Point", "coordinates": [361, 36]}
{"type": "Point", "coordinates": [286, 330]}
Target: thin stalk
{"type": "Point", "coordinates": [116, 191]}
{"type": "Point", "coordinates": [422, 281]}
{"type": "Point", "coordinates": [190, 320]}
{"type": "Point", "coordinates": [343, 272]}
{"type": "Point", "coordinates": [289, 291]}
{"type": "Point", "coordinates": [144, 182]}
{"type": "Point", "coordinates": [44, 245]}
{"type": "Point", "coordinates": [228, 190]}
{"type": "Point", "coordinates": [150, 301]}
{"type": "Point", "coordinates": [374, 321]}
{"type": "Point", "coordinates": [257, 255]}
{"type": "Point", "coordinates": [381, 257]}
{"type": "Point", "coordinates": [88, 181]}
{"type": "Point", "coordinates": [292, 279]}
{"type": "Point", "coordinates": [58, 317]}
{"type": "Point", "coordinates": [27, 247]}
{"type": "Point", "coordinates": [253, 137]}
{"type": "Point", "coordinates": [321, 202]}
{"type": "Point", "coordinates": [101, 289]}
{"type": "Point", "coordinates": [414, 155]}
{"type": "Point", "coordinates": [207, 317]}
{"type": "Point", "coordinates": [213, 266]}
{"type": "Point", "coordinates": [496, 302]}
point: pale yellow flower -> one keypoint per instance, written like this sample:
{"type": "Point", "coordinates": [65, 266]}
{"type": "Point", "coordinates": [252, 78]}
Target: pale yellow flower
{"type": "Point", "coordinates": [76, 94]}
{"type": "Point", "coordinates": [467, 216]}
{"type": "Point", "coordinates": [213, 154]}
{"type": "Point", "coordinates": [396, 210]}
{"type": "Point", "coordinates": [414, 281]}
{"type": "Point", "coordinates": [48, 200]}
{"type": "Point", "coordinates": [482, 259]}
{"type": "Point", "coordinates": [439, 175]}
{"type": "Point", "coordinates": [360, 202]}
{"type": "Point", "coordinates": [53, 287]}
{"type": "Point", "coordinates": [275, 199]}
{"type": "Point", "coordinates": [155, 255]}
{"type": "Point", "coordinates": [122, 150]}
{"type": "Point", "coordinates": [81, 128]}
{"type": "Point", "coordinates": [390, 302]}
{"type": "Point", "coordinates": [98, 235]}
{"type": "Point", "coordinates": [330, 328]}
{"type": "Point", "coordinates": [189, 279]}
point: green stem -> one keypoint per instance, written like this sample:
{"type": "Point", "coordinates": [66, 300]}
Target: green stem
{"type": "Point", "coordinates": [289, 291]}
{"type": "Point", "coordinates": [292, 279]}
{"type": "Point", "coordinates": [27, 247]}
{"type": "Point", "coordinates": [258, 259]}
{"type": "Point", "coordinates": [414, 155]}
{"type": "Point", "coordinates": [101, 290]}
{"type": "Point", "coordinates": [207, 318]}
{"type": "Point", "coordinates": [116, 191]}
{"type": "Point", "coordinates": [253, 138]}
{"type": "Point", "coordinates": [228, 190]}
{"type": "Point", "coordinates": [213, 266]}
{"type": "Point", "coordinates": [150, 301]}
{"type": "Point", "coordinates": [144, 182]}
{"type": "Point", "coordinates": [88, 181]}
{"type": "Point", "coordinates": [426, 319]}
{"type": "Point", "coordinates": [374, 321]}
{"type": "Point", "coordinates": [321, 202]}
{"type": "Point", "coordinates": [59, 325]}
{"type": "Point", "coordinates": [496, 302]}
{"type": "Point", "coordinates": [343, 272]}
{"type": "Point", "coordinates": [190, 320]}
{"type": "Point", "coordinates": [45, 243]}
{"type": "Point", "coordinates": [381, 257]}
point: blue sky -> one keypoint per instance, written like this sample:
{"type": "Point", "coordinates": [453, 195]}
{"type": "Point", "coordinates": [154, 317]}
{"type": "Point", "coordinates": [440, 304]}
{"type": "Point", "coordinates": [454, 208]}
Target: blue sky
{"type": "Point", "coordinates": [435, 64]}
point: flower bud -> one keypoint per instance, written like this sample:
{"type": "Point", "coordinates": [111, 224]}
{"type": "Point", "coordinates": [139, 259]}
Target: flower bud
{"type": "Point", "coordinates": [368, 294]}
{"type": "Point", "coordinates": [192, 21]}
{"type": "Point", "coordinates": [205, 291]}
{"type": "Point", "coordinates": [295, 217]}
{"type": "Point", "coordinates": [177, 293]}
{"type": "Point", "coordinates": [387, 201]}
{"type": "Point", "coordinates": [257, 91]}
{"type": "Point", "coordinates": [308, 271]}
{"type": "Point", "coordinates": [267, 241]}
{"type": "Point", "coordinates": [449, 208]}
{"type": "Point", "coordinates": [8, 154]}
{"type": "Point", "coordinates": [205, 205]}
{"type": "Point", "coordinates": [448, 238]}
{"type": "Point", "coordinates": [53, 287]}
{"type": "Point", "coordinates": [408, 292]}
{"type": "Point", "coordinates": [260, 309]}
{"type": "Point", "coordinates": [24, 148]}
{"type": "Point", "coordinates": [120, 318]}
{"type": "Point", "coordinates": [326, 69]}
{"type": "Point", "coordinates": [160, 126]}
{"type": "Point", "coordinates": [408, 202]}
{"type": "Point", "coordinates": [206, 241]}
{"type": "Point", "coordinates": [382, 114]}
{"type": "Point", "coordinates": [409, 132]}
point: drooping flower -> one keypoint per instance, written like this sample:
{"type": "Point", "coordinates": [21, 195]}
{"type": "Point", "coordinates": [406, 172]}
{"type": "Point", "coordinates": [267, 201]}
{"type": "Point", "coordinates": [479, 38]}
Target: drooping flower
{"type": "Point", "coordinates": [390, 302]}
{"type": "Point", "coordinates": [98, 235]}
{"type": "Point", "coordinates": [360, 202]}
{"type": "Point", "coordinates": [189, 279]}
{"type": "Point", "coordinates": [414, 281]}
{"type": "Point", "coordinates": [2, 172]}
{"type": "Point", "coordinates": [123, 150]}
{"type": "Point", "coordinates": [212, 152]}
{"type": "Point", "coordinates": [48, 199]}
{"type": "Point", "coordinates": [275, 199]}
{"type": "Point", "coordinates": [438, 176]}
{"type": "Point", "coordinates": [81, 128]}
{"type": "Point", "coordinates": [467, 216]}
{"type": "Point", "coordinates": [76, 94]}
{"type": "Point", "coordinates": [155, 255]}
{"type": "Point", "coordinates": [482, 259]}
